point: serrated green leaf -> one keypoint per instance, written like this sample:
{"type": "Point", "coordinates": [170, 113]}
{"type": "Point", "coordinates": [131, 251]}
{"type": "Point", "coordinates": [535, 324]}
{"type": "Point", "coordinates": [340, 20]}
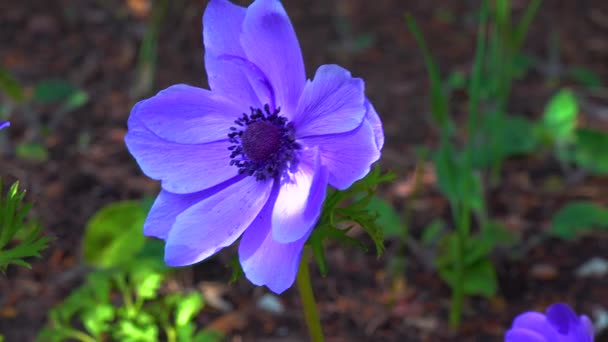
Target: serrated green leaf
{"type": "Point", "coordinates": [236, 270]}
{"type": "Point", "coordinates": [13, 224]}
{"type": "Point", "coordinates": [578, 217]}
{"type": "Point", "coordinates": [316, 245]}
{"type": "Point", "coordinates": [560, 116]}
{"type": "Point", "coordinates": [388, 218]}
{"type": "Point", "coordinates": [113, 236]}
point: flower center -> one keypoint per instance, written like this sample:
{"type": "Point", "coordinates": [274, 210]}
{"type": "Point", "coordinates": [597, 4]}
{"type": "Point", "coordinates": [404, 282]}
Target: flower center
{"type": "Point", "coordinates": [264, 144]}
{"type": "Point", "coordinates": [261, 140]}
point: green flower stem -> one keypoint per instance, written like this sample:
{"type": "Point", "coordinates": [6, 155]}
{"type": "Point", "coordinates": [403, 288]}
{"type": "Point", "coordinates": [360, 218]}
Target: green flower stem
{"type": "Point", "coordinates": [462, 235]}
{"type": "Point", "coordinates": [311, 314]}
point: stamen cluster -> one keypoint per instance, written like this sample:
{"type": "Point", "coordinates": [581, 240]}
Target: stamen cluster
{"type": "Point", "coordinates": [264, 144]}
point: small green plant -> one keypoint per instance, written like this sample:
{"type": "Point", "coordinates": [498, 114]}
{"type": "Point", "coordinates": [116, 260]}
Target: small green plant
{"type": "Point", "coordinates": [123, 298]}
{"type": "Point", "coordinates": [463, 258]}
{"type": "Point", "coordinates": [19, 238]}
{"type": "Point", "coordinates": [142, 312]}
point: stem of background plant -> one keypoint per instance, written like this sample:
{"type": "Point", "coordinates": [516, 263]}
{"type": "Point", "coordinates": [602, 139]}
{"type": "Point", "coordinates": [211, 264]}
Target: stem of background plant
{"type": "Point", "coordinates": [462, 235]}
{"type": "Point", "coordinates": [311, 314]}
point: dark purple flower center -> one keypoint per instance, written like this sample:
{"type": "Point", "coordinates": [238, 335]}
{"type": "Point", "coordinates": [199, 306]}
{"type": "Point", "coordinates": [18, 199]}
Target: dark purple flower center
{"type": "Point", "coordinates": [261, 140]}
{"type": "Point", "coordinates": [264, 144]}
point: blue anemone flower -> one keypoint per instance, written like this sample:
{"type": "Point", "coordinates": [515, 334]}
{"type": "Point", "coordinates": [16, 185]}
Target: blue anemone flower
{"type": "Point", "coordinates": [559, 324]}
{"type": "Point", "coordinates": [253, 156]}
{"type": "Point", "coordinates": [4, 124]}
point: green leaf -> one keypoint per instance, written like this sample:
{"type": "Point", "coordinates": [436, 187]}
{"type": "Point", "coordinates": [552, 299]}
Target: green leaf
{"type": "Point", "coordinates": [187, 308]}
{"type": "Point", "coordinates": [143, 329]}
{"type": "Point", "coordinates": [209, 336]}
{"type": "Point", "coordinates": [32, 151]}
{"type": "Point", "coordinates": [586, 77]}
{"type": "Point", "coordinates": [96, 319]}
{"type": "Point", "coordinates": [456, 179]}
{"type": "Point", "coordinates": [521, 29]}
{"type": "Point", "coordinates": [479, 278]}
{"type": "Point", "coordinates": [76, 100]}
{"type": "Point", "coordinates": [439, 101]}
{"type": "Point", "coordinates": [432, 233]}
{"type": "Point", "coordinates": [113, 236]}
{"type": "Point", "coordinates": [146, 282]}
{"type": "Point", "coordinates": [588, 151]}
{"type": "Point", "coordinates": [560, 116]}
{"type": "Point", "coordinates": [507, 136]}
{"type": "Point", "coordinates": [53, 91]}
{"type": "Point", "coordinates": [10, 86]}
{"type": "Point", "coordinates": [388, 218]}
{"type": "Point", "coordinates": [578, 217]}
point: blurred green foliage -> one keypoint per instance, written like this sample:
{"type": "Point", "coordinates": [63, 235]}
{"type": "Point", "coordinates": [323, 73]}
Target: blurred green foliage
{"type": "Point", "coordinates": [123, 298]}
{"type": "Point", "coordinates": [577, 218]}
{"type": "Point", "coordinates": [114, 234]}
{"type": "Point", "coordinates": [60, 95]}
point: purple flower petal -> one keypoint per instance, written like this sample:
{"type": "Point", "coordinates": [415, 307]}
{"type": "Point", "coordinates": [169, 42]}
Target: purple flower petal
{"type": "Point", "coordinates": [537, 322]}
{"type": "Point", "coordinates": [182, 168]}
{"type": "Point", "coordinates": [187, 115]}
{"type": "Point", "coordinates": [559, 324]}
{"type": "Point", "coordinates": [168, 205]}
{"type": "Point", "coordinates": [348, 156]}
{"type": "Point", "coordinates": [562, 318]}
{"type": "Point", "coordinates": [587, 327]}
{"type": "Point", "coordinates": [239, 80]}
{"type": "Point", "coordinates": [300, 199]}
{"type": "Point", "coordinates": [524, 335]}
{"type": "Point", "coordinates": [567, 323]}
{"type": "Point", "coordinates": [222, 23]}
{"type": "Point", "coordinates": [374, 120]}
{"type": "Point", "coordinates": [228, 71]}
{"type": "Point", "coordinates": [265, 261]}
{"type": "Point", "coordinates": [333, 102]}
{"type": "Point", "coordinates": [270, 42]}
{"type": "Point", "coordinates": [215, 222]}
{"type": "Point", "coordinates": [4, 124]}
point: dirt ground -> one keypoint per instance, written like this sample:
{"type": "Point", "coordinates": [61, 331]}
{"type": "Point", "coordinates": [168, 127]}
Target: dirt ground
{"type": "Point", "coordinates": [94, 45]}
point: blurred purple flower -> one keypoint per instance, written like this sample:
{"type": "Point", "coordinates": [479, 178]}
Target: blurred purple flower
{"type": "Point", "coordinates": [559, 324]}
{"type": "Point", "coordinates": [4, 124]}
{"type": "Point", "coordinates": [253, 156]}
